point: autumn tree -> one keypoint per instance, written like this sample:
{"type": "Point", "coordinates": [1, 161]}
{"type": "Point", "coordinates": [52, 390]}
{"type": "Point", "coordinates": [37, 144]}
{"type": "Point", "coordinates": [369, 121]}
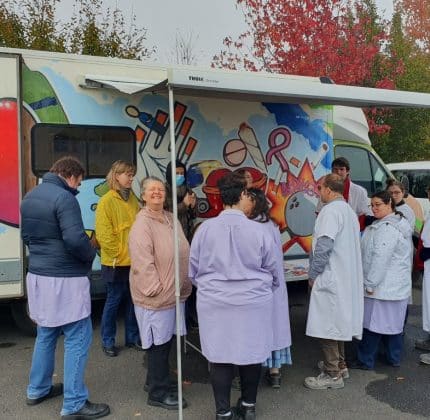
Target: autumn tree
{"type": "Point", "coordinates": [416, 21]}
{"type": "Point", "coordinates": [30, 24]}
{"type": "Point", "coordinates": [341, 39]}
{"type": "Point", "coordinates": [92, 29]}
{"type": "Point", "coordinates": [330, 38]}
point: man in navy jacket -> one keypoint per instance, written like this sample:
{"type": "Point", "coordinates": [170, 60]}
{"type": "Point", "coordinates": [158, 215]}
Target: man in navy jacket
{"type": "Point", "coordinates": [58, 288]}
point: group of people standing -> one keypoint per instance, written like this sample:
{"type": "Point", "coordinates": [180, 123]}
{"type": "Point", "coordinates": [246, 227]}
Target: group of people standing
{"type": "Point", "coordinates": [361, 283]}
{"type": "Point", "coordinates": [231, 266]}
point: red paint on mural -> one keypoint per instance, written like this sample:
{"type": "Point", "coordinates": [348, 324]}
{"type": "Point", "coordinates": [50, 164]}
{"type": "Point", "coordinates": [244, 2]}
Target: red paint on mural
{"type": "Point", "coordinates": [9, 170]}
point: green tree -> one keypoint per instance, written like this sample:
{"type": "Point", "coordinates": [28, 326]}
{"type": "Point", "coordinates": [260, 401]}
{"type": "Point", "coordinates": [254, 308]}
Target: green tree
{"type": "Point", "coordinates": [409, 136]}
{"type": "Point", "coordinates": [92, 29]}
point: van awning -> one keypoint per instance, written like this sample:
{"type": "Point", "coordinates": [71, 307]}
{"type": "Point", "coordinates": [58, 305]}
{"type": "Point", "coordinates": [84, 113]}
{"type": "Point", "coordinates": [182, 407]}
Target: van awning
{"type": "Point", "coordinates": [122, 84]}
{"type": "Point", "coordinates": [259, 87]}
{"type": "Point", "coordinates": [267, 87]}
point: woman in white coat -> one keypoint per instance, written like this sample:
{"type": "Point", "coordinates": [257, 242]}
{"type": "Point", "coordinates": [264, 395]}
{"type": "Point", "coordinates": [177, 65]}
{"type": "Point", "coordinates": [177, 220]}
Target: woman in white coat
{"type": "Point", "coordinates": [386, 249]}
{"type": "Point", "coordinates": [397, 192]}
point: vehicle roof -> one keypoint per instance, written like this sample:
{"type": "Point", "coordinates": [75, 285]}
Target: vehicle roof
{"type": "Point", "coordinates": [424, 164]}
{"type": "Point", "coordinates": [239, 85]}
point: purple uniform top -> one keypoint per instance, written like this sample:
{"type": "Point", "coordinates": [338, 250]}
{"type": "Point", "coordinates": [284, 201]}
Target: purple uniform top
{"type": "Point", "coordinates": [235, 270]}
{"type": "Point", "coordinates": [281, 312]}
{"type": "Point", "coordinates": [56, 301]}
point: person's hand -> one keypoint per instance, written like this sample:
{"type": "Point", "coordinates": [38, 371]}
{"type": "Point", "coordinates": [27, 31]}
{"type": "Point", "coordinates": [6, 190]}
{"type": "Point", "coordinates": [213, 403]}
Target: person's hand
{"type": "Point", "coordinates": [311, 283]}
{"type": "Point", "coordinates": [94, 243]}
{"type": "Point", "coordinates": [190, 200]}
{"type": "Point", "coordinates": [369, 292]}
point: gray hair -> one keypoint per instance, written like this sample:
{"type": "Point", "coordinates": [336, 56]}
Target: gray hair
{"type": "Point", "coordinates": [146, 181]}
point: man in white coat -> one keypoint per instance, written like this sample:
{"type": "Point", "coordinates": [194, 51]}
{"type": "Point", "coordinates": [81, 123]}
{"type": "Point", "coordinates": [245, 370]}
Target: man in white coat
{"type": "Point", "coordinates": [336, 278]}
{"type": "Point", "coordinates": [354, 194]}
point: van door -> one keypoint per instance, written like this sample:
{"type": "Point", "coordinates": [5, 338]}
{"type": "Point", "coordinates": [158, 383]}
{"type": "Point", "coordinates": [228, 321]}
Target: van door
{"type": "Point", "coordinates": [11, 250]}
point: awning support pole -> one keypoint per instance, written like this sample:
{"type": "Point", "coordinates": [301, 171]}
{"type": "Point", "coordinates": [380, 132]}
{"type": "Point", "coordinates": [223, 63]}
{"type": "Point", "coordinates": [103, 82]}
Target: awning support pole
{"type": "Point", "coordinates": [176, 247]}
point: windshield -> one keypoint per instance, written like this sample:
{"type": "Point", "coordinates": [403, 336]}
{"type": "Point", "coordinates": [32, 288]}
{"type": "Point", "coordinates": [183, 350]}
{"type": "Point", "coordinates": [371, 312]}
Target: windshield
{"type": "Point", "coordinates": [419, 180]}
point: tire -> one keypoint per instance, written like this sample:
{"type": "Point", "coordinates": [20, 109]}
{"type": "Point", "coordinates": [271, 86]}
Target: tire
{"type": "Point", "coordinates": [22, 319]}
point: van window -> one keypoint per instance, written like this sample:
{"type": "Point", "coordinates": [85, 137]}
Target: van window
{"type": "Point", "coordinates": [380, 175]}
{"type": "Point", "coordinates": [419, 180]}
{"type": "Point", "coordinates": [97, 147]}
{"type": "Point", "coordinates": [361, 171]}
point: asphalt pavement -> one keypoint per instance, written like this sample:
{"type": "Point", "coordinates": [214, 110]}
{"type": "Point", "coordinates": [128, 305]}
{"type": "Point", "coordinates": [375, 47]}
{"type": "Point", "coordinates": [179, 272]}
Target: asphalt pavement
{"type": "Point", "coordinates": [385, 393]}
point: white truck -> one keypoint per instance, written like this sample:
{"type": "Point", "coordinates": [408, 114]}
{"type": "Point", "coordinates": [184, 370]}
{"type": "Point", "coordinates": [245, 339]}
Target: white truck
{"type": "Point", "coordinates": [101, 109]}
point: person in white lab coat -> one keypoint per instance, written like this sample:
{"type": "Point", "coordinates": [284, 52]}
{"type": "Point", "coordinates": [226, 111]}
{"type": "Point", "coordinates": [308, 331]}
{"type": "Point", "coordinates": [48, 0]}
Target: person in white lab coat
{"type": "Point", "coordinates": [336, 278]}
{"type": "Point", "coordinates": [425, 256]}
{"type": "Point", "coordinates": [397, 192]}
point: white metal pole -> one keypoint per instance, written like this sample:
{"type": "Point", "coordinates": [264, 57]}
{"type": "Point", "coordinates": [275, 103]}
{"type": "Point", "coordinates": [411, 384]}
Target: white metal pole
{"type": "Point", "coordinates": [176, 248]}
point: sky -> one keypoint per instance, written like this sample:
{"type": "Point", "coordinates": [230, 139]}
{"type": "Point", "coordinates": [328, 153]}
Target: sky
{"type": "Point", "coordinates": [207, 21]}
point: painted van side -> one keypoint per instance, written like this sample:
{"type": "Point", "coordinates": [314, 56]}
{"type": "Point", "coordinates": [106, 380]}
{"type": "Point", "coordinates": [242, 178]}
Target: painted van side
{"type": "Point", "coordinates": [287, 148]}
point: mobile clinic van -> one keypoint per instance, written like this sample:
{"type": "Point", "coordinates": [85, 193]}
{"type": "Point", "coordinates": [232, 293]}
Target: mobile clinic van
{"type": "Point", "coordinates": [103, 109]}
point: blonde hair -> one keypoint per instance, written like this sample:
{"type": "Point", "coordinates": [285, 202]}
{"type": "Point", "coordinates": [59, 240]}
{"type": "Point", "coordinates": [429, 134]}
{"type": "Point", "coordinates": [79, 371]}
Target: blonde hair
{"type": "Point", "coordinates": [118, 167]}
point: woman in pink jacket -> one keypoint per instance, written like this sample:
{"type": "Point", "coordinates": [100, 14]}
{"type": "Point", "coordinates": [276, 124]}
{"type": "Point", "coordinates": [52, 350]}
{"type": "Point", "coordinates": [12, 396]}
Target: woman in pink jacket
{"type": "Point", "coordinates": [152, 284]}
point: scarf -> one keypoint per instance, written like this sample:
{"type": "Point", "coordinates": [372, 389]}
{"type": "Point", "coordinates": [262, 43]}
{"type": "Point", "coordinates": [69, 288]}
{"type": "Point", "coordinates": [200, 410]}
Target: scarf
{"type": "Point", "coordinates": [124, 193]}
{"type": "Point", "coordinates": [346, 186]}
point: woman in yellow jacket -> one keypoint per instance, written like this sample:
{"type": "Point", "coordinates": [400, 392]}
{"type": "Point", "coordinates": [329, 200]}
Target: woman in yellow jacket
{"type": "Point", "coordinates": [115, 215]}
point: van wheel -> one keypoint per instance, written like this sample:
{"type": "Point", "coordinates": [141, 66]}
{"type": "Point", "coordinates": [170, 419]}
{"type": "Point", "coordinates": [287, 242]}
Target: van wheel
{"type": "Point", "coordinates": [22, 319]}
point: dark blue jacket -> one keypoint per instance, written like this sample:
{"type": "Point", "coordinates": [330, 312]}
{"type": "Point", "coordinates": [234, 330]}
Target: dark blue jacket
{"type": "Point", "coordinates": [52, 228]}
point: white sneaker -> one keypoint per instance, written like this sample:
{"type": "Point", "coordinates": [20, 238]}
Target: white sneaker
{"type": "Point", "coordinates": [324, 381]}
{"type": "Point", "coordinates": [344, 372]}
{"type": "Point", "coordinates": [425, 358]}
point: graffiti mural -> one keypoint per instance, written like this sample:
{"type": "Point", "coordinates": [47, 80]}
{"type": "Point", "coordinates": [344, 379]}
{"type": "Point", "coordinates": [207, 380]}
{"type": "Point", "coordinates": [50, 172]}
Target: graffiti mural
{"type": "Point", "coordinates": [285, 148]}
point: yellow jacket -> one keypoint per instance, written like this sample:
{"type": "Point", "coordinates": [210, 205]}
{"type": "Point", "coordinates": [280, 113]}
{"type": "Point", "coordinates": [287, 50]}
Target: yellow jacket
{"type": "Point", "coordinates": [114, 218]}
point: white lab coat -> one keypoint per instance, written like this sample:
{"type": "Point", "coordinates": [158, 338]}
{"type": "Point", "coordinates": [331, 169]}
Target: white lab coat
{"type": "Point", "coordinates": [336, 305]}
{"type": "Point", "coordinates": [425, 235]}
{"type": "Point", "coordinates": [358, 200]}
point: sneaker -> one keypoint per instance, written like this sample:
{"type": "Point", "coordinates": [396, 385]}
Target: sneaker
{"type": "Point", "coordinates": [425, 358]}
{"type": "Point", "coordinates": [423, 344]}
{"type": "Point", "coordinates": [344, 372]}
{"type": "Point", "coordinates": [245, 412]}
{"type": "Point", "coordinates": [324, 381]}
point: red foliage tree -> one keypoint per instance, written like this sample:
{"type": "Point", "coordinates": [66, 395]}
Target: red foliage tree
{"type": "Point", "coordinates": [341, 39]}
{"type": "Point", "coordinates": [309, 38]}
{"type": "Point", "coordinates": [416, 16]}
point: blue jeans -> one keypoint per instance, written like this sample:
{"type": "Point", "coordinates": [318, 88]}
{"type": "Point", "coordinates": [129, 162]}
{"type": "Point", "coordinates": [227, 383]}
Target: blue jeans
{"type": "Point", "coordinates": [77, 341]}
{"type": "Point", "coordinates": [368, 347]}
{"type": "Point", "coordinates": [118, 291]}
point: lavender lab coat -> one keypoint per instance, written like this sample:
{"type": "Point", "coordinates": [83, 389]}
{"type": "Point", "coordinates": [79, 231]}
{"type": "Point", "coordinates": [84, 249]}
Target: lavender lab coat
{"type": "Point", "coordinates": [235, 269]}
{"type": "Point", "coordinates": [281, 315]}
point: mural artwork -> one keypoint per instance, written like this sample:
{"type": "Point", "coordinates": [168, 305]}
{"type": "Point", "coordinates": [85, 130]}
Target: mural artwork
{"type": "Point", "coordinates": [286, 148]}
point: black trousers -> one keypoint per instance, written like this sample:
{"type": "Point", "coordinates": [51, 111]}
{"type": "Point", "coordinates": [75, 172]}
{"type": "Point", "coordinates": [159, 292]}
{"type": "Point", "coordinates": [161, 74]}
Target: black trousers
{"type": "Point", "coordinates": [158, 377]}
{"type": "Point", "coordinates": [221, 375]}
